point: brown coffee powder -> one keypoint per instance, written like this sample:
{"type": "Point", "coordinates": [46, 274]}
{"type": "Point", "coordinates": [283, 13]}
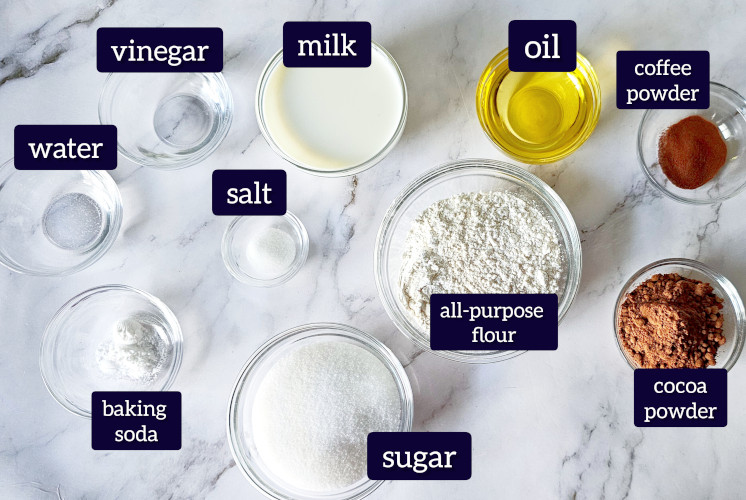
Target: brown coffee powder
{"type": "Point", "coordinates": [670, 321]}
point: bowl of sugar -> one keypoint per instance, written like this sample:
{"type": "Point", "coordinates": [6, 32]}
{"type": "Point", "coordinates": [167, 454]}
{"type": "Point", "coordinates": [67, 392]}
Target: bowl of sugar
{"type": "Point", "coordinates": [56, 222]}
{"type": "Point", "coordinates": [109, 338]}
{"type": "Point", "coordinates": [302, 408]}
{"type": "Point", "coordinates": [332, 121]}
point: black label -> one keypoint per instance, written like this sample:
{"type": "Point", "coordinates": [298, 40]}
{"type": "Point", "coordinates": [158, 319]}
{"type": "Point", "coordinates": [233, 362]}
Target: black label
{"type": "Point", "coordinates": [656, 79]}
{"type": "Point", "coordinates": [159, 50]}
{"type": "Point", "coordinates": [65, 147]}
{"type": "Point", "coordinates": [249, 192]}
{"type": "Point", "coordinates": [136, 420]}
{"type": "Point", "coordinates": [542, 46]}
{"type": "Point", "coordinates": [489, 322]}
{"type": "Point", "coordinates": [681, 397]}
{"type": "Point", "coordinates": [419, 455]}
{"type": "Point", "coordinates": [326, 44]}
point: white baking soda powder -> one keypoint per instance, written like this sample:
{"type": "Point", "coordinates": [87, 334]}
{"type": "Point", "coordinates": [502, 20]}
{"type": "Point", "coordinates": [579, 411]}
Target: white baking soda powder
{"type": "Point", "coordinates": [314, 409]}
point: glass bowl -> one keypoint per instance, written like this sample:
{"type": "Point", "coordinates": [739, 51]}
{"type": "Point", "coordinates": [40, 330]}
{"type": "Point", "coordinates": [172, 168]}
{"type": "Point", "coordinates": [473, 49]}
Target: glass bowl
{"type": "Point", "coordinates": [728, 112]}
{"type": "Point", "coordinates": [451, 179]}
{"type": "Point", "coordinates": [167, 120]}
{"type": "Point", "coordinates": [734, 326]}
{"type": "Point", "coordinates": [317, 169]}
{"type": "Point", "coordinates": [236, 248]}
{"type": "Point", "coordinates": [68, 358]}
{"type": "Point", "coordinates": [497, 129]}
{"type": "Point", "coordinates": [56, 222]}
{"type": "Point", "coordinates": [241, 442]}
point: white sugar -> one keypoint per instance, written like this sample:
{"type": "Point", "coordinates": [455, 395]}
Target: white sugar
{"type": "Point", "coordinates": [313, 412]}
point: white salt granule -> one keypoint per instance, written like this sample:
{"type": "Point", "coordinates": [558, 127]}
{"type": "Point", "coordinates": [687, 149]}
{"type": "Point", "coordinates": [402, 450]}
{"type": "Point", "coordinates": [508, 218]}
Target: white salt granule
{"type": "Point", "coordinates": [135, 352]}
{"type": "Point", "coordinates": [271, 252]}
{"type": "Point", "coordinates": [492, 242]}
{"type": "Point", "coordinates": [313, 412]}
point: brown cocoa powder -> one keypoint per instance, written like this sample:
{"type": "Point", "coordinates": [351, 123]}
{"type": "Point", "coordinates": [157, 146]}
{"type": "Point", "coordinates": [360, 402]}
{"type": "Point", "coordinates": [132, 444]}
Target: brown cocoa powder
{"type": "Point", "coordinates": [669, 321]}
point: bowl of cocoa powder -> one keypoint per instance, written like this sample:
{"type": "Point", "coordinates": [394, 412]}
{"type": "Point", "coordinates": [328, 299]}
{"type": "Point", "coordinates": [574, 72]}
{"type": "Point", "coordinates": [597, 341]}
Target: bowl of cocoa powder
{"type": "Point", "coordinates": [679, 313]}
{"type": "Point", "coordinates": [696, 155]}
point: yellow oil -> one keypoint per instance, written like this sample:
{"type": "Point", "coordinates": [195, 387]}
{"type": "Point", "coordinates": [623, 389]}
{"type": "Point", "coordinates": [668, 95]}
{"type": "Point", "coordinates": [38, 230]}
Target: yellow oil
{"type": "Point", "coordinates": [538, 117]}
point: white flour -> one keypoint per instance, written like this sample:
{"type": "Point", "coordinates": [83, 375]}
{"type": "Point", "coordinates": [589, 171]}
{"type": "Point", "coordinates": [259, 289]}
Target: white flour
{"type": "Point", "coordinates": [494, 242]}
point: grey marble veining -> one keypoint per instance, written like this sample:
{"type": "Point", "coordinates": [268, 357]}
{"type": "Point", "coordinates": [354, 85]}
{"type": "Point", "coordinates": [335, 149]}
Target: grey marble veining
{"type": "Point", "coordinates": [545, 424]}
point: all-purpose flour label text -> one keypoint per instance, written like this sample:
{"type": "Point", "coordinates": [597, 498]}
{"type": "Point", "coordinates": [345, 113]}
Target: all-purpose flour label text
{"type": "Point", "coordinates": [493, 321]}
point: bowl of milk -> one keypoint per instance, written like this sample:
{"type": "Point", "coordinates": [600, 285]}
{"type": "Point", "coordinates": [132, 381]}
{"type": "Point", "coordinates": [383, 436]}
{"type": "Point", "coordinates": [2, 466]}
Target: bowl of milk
{"type": "Point", "coordinates": [333, 121]}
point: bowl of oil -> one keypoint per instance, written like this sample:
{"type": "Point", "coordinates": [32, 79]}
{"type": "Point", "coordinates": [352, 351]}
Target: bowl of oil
{"type": "Point", "coordinates": [538, 117]}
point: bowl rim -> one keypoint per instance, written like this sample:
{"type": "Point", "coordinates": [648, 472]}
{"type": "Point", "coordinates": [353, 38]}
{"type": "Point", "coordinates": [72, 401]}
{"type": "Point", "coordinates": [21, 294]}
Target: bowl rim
{"type": "Point", "coordinates": [355, 169]}
{"type": "Point", "coordinates": [582, 136]}
{"type": "Point", "coordinates": [526, 179]}
{"type": "Point", "coordinates": [106, 96]}
{"type": "Point", "coordinates": [8, 169]}
{"type": "Point", "coordinates": [731, 292]}
{"type": "Point", "coordinates": [300, 258]}
{"type": "Point", "coordinates": [717, 88]}
{"type": "Point", "coordinates": [51, 332]}
{"type": "Point", "coordinates": [261, 354]}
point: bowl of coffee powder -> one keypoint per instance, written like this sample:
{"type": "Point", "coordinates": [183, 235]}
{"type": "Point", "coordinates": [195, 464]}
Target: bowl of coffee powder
{"type": "Point", "coordinates": [678, 313]}
{"type": "Point", "coordinates": [696, 156]}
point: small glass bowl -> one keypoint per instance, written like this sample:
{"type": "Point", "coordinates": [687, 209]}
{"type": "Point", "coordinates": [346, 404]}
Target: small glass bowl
{"type": "Point", "coordinates": [56, 222]}
{"type": "Point", "coordinates": [68, 349]}
{"type": "Point", "coordinates": [241, 443]}
{"type": "Point", "coordinates": [519, 149]}
{"type": "Point", "coordinates": [239, 234]}
{"type": "Point", "coordinates": [463, 176]}
{"type": "Point", "coordinates": [734, 326]}
{"type": "Point", "coordinates": [320, 171]}
{"type": "Point", "coordinates": [728, 112]}
{"type": "Point", "coordinates": [167, 120]}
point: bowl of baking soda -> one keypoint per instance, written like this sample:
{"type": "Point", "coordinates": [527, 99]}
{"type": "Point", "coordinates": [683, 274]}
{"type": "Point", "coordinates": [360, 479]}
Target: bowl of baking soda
{"type": "Point", "coordinates": [110, 338]}
{"type": "Point", "coordinates": [474, 226]}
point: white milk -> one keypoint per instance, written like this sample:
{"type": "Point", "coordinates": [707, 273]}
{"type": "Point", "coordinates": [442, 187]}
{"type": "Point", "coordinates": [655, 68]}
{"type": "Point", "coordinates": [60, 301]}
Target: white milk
{"type": "Point", "coordinates": [334, 118]}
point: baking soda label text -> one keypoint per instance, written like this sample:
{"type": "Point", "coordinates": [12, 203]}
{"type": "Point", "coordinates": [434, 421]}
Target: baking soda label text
{"type": "Point", "coordinates": [315, 44]}
{"type": "Point", "coordinates": [136, 420]}
{"type": "Point", "coordinates": [681, 397]}
{"type": "Point", "coordinates": [542, 46]}
{"type": "Point", "coordinates": [419, 455]}
{"type": "Point", "coordinates": [65, 147]}
{"type": "Point", "coordinates": [493, 322]}
{"type": "Point", "coordinates": [159, 50]}
{"type": "Point", "coordinates": [656, 79]}
{"type": "Point", "coordinates": [249, 192]}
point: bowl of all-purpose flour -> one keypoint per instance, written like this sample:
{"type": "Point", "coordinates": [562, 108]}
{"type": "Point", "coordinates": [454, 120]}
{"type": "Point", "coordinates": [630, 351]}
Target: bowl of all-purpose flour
{"type": "Point", "coordinates": [303, 406]}
{"type": "Point", "coordinates": [110, 338]}
{"type": "Point", "coordinates": [474, 226]}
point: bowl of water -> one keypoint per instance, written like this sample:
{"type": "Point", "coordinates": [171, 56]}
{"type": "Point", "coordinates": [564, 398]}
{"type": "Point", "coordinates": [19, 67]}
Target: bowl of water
{"type": "Point", "coordinates": [56, 222]}
{"type": "Point", "coordinates": [167, 120]}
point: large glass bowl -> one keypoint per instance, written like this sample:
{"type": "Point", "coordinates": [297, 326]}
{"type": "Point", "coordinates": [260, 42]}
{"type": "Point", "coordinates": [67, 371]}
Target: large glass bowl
{"type": "Point", "coordinates": [443, 182]}
{"type": "Point", "coordinates": [734, 325]}
{"type": "Point", "coordinates": [728, 112]}
{"type": "Point", "coordinates": [56, 222]}
{"type": "Point", "coordinates": [249, 380]}
{"type": "Point", "coordinates": [69, 347]}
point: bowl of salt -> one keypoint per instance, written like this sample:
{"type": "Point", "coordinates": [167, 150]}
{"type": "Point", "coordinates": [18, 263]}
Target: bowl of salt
{"type": "Point", "coordinates": [265, 251]}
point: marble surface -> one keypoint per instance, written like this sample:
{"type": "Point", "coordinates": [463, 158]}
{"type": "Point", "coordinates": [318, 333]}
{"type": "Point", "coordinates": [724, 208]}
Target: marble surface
{"type": "Point", "coordinates": [545, 424]}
